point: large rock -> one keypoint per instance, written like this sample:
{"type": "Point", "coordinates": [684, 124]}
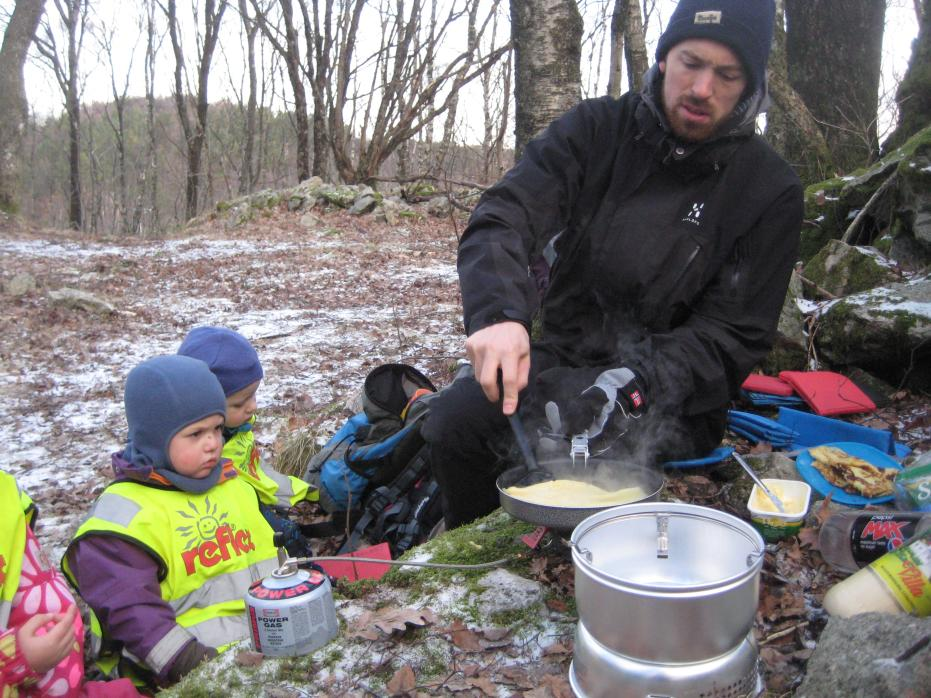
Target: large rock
{"type": "Point", "coordinates": [20, 285]}
{"type": "Point", "coordinates": [902, 207]}
{"type": "Point", "coordinates": [886, 331]}
{"type": "Point", "coordinates": [790, 348]}
{"type": "Point", "coordinates": [842, 269]}
{"type": "Point", "coordinates": [868, 655]}
{"type": "Point", "coordinates": [365, 202]}
{"type": "Point", "coordinates": [76, 299]}
{"type": "Point", "coordinates": [914, 200]}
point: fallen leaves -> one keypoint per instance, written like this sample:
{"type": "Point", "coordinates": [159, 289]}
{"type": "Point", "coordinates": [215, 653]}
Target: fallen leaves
{"type": "Point", "coordinates": [377, 625]}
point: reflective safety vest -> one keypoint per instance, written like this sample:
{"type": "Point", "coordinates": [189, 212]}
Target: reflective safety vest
{"type": "Point", "coordinates": [16, 512]}
{"type": "Point", "coordinates": [272, 487]}
{"type": "Point", "coordinates": [209, 547]}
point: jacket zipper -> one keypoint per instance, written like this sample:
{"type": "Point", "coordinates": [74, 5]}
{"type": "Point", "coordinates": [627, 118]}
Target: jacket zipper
{"type": "Point", "coordinates": [685, 267]}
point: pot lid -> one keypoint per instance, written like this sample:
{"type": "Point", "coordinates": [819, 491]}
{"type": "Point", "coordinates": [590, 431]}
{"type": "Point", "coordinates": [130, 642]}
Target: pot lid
{"type": "Point", "coordinates": [665, 546]}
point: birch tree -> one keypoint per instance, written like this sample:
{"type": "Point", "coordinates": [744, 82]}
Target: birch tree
{"type": "Point", "coordinates": [547, 38]}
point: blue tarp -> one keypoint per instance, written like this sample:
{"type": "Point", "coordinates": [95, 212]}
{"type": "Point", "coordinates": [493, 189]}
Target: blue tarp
{"type": "Point", "coordinates": [814, 430]}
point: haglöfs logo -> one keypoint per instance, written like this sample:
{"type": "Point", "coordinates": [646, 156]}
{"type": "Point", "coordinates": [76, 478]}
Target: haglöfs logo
{"type": "Point", "coordinates": [694, 214]}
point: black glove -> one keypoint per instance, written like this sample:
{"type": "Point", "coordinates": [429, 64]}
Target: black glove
{"type": "Point", "coordinates": [586, 398]}
{"type": "Point", "coordinates": [192, 654]}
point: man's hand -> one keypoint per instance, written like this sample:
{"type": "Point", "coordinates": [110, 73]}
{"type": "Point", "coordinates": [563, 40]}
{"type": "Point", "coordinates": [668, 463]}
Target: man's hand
{"type": "Point", "coordinates": [43, 652]}
{"type": "Point", "coordinates": [504, 347]}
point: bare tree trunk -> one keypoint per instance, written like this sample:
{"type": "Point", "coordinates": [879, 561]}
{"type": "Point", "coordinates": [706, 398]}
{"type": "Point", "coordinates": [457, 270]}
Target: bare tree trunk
{"type": "Point", "coordinates": [149, 172]}
{"type": "Point", "coordinates": [616, 50]}
{"type": "Point", "coordinates": [834, 54]}
{"type": "Point", "coordinates": [195, 132]}
{"type": "Point", "coordinates": [288, 46]}
{"type": "Point", "coordinates": [913, 96]}
{"type": "Point", "coordinates": [72, 15]}
{"type": "Point", "coordinates": [547, 37]}
{"type": "Point", "coordinates": [495, 85]}
{"type": "Point", "coordinates": [95, 199]}
{"type": "Point", "coordinates": [119, 93]}
{"type": "Point", "coordinates": [635, 48]}
{"type": "Point", "coordinates": [246, 174]}
{"type": "Point", "coordinates": [14, 110]}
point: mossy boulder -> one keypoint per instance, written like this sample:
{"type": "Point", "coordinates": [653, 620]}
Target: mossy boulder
{"type": "Point", "coordinates": [825, 214]}
{"type": "Point", "coordinates": [914, 204]}
{"type": "Point", "coordinates": [790, 348]}
{"type": "Point", "coordinates": [886, 331]}
{"type": "Point", "coordinates": [842, 269]}
{"type": "Point", "coordinates": [341, 196]}
{"type": "Point", "coordinates": [831, 205]}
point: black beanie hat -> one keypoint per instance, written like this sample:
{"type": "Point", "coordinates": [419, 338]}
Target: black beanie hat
{"type": "Point", "coordinates": [746, 26]}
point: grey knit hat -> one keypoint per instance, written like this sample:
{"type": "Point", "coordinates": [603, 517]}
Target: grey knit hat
{"type": "Point", "coordinates": [162, 396]}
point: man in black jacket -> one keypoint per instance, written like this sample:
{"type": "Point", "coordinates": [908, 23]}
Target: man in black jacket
{"type": "Point", "coordinates": [671, 229]}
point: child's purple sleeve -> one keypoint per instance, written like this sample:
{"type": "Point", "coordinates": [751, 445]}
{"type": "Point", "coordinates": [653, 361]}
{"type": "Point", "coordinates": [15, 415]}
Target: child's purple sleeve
{"type": "Point", "coordinates": [119, 581]}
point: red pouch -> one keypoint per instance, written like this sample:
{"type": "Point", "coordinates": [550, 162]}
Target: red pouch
{"type": "Point", "coordinates": [758, 383]}
{"type": "Point", "coordinates": [828, 393]}
{"type": "Point", "coordinates": [360, 570]}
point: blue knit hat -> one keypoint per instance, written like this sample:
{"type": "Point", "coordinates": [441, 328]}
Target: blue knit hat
{"type": "Point", "coordinates": [228, 354]}
{"type": "Point", "coordinates": [162, 396]}
{"type": "Point", "coordinates": [746, 26]}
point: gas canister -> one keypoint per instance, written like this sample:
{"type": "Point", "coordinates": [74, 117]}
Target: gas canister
{"type": "Point", "coordinates": [291, 612]}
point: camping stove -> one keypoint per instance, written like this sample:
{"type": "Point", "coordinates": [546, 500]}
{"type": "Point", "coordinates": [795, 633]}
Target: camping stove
{"type": "Point", "coordinates": [598, 672]}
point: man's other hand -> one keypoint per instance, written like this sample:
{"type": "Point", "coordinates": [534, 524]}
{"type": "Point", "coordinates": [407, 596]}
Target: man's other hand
{"type": "Point", "coordinates": [504, 347]}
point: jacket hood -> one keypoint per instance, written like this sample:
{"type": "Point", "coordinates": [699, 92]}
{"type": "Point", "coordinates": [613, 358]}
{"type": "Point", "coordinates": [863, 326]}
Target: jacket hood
{"type": "Point", "coordinates": [124, 468]}
{"type": "Point", "coordinates": [742, 121]}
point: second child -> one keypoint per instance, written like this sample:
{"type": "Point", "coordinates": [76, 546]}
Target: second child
{"type": "Point", "coordinates": [235, 363]}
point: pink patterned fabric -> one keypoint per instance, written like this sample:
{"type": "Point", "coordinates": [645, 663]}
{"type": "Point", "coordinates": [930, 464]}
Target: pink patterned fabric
{"type": "Point", "coordinates": [43, 590]}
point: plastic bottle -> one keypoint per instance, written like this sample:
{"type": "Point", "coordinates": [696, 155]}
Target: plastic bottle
{"type": "Point", "coordinates": [898, 582]}
{"type": "Point", "coordinates": [850, 540]}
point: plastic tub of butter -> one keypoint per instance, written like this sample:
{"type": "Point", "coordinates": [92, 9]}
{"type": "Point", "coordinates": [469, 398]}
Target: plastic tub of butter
{"type": "Point", "coordinates": [772, 524]}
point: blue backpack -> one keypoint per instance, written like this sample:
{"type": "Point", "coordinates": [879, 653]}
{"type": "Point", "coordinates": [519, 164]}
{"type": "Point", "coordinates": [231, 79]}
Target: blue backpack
{"type": "Point", "coordinates": [375, 468]}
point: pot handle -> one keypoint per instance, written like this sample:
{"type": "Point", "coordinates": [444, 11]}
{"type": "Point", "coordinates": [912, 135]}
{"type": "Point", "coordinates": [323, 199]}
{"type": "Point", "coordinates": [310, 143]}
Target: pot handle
{"type": "Point", "coordinates": [753, 557]}
{"type": "Point", "coordinates": [662, 536]}
{"type": "Point", "coordinates": [584, 552]}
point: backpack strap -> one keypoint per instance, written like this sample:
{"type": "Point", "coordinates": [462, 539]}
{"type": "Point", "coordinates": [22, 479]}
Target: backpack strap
{"type": "Point", "coordinates": [413, 531]}
{"type": "Point", "coordinates": [386, 501]}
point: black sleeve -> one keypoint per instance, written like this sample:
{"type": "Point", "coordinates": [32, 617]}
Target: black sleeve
{"type": "Point", "coordinates": [516, 217]}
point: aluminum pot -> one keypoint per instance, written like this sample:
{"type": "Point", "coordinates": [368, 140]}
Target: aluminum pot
{"type": "Point", "coordinates": [666, 582]}
{"type": "Point", "coordinates": [607, 473]}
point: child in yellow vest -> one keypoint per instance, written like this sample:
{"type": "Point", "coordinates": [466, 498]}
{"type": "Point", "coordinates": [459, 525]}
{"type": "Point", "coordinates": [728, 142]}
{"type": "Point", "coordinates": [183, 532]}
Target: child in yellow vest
{"type": "Point", "coordinates": [235, 363]}
{"type": "Point", "coordinates": [172, 544]}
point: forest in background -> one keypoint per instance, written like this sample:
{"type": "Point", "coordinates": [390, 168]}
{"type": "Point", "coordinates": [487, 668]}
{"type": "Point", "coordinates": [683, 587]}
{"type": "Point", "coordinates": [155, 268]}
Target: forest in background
{"type": "Point", "coordinates": [361, 91]}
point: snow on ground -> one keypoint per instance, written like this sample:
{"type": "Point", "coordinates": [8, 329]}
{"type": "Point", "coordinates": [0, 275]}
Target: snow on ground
{"type": "Point", "coordinates": [322, 306]}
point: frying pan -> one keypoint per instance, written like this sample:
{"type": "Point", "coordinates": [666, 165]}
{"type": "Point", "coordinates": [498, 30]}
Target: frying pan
{"type": "Point", "coordinates": [607, 473]}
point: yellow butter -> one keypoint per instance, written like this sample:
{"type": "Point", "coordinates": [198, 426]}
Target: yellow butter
{"type": "Point", "coordinates": [761, 502]}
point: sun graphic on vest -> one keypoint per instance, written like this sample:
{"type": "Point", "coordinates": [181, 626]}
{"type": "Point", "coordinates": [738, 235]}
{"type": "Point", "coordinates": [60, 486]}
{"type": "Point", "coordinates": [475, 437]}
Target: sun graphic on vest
{"type": "Point", "coordinates": [204, 524]}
